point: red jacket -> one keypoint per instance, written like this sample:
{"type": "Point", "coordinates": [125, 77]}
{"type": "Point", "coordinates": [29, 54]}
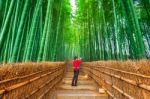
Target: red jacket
{"type": "Point", "coordinates": [76, 64]}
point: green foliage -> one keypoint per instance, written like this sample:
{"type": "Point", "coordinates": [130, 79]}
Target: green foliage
{"type": "Point", "coordinates": [113, 29]}
{"type": "Point", "coordinates": [48, 30]}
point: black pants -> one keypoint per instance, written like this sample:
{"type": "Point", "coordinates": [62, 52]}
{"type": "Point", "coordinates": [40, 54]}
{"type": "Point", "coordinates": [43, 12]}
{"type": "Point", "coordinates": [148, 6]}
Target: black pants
{"type": "Point", "coordinates": [75, 78]}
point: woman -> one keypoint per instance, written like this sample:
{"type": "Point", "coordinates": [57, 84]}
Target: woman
{"type": "Point", "coordinates": [76, 63]}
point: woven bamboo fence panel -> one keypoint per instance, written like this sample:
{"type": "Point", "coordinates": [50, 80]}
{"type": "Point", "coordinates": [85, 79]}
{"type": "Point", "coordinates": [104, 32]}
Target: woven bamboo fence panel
{"type": "Point", "coordinates": [121, 80]}
{"type": "Point", "coordinates": [30, 80]}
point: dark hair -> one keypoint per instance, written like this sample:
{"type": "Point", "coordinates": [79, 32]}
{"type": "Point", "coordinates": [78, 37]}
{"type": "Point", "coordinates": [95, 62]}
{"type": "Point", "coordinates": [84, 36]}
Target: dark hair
{"type": "Point", "coordinates": [75, 57]}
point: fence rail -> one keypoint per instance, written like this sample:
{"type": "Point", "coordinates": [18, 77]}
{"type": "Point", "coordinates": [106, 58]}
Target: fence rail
{"type": "Point", "coordinates": [32, 86]}
{"type": "Point", "coordinates": [119, 84]}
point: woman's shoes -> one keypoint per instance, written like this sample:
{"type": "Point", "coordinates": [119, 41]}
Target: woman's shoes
{"type": "Point", "coordinates": [74, 84]}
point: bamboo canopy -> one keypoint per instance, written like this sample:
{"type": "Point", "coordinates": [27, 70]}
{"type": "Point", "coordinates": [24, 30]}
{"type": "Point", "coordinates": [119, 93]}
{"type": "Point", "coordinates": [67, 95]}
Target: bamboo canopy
{"type": "Point", "coordinates": [49, 30]}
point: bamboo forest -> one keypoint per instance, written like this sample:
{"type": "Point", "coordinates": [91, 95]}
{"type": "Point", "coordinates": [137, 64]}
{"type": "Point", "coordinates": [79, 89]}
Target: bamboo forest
{"type": "Point", "coordinates": [39, 30]}
{"type": "Point", "coordinates": [74, 49]}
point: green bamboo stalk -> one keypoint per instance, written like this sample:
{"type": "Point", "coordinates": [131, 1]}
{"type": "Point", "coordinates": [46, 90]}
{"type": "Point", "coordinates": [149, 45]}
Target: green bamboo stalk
{"type": "Point", "coordinates": [18, 37]}
{"type": "Point", "coordinates": [3, 30]}
{"type": "Point", "coordinates": [45, 52]}
{"type": "Point", "coordinates": [32, 30]}
{"type": "Point", "coordinates": [42, 44]}
{"type": "Point", "coordinates": [21, 45]}
{"type": "Point", "coordinates": [14, 27]}
{"type": "Point", "coordinates": [58, 29]}
{"type": "Point", "coordinates": [139, 36]}
{"type": "Point", "coordinates": [8, 38]}
{"type": "Point", "coordinates": [5, 12]}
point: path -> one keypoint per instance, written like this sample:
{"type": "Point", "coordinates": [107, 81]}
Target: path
{"type": "Point", "coordinates": [86, 88]}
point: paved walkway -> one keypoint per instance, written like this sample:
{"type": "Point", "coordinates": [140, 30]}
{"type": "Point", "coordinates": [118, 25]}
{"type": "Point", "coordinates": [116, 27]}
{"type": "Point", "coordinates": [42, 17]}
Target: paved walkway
{"type": "Point", "coordinates": [86, 88]}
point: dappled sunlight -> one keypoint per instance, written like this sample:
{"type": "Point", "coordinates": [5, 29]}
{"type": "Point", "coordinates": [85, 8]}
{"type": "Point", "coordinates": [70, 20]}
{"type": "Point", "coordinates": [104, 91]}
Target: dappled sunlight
{"type": "Point", "coordinates": [73, 6]}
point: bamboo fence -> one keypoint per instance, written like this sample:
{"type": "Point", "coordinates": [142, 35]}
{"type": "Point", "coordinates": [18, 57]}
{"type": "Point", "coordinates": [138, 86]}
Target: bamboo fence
{"type": "Point", "coordinates": [121, 80]}
{"type": "Point", "coordinates": [30, 80]}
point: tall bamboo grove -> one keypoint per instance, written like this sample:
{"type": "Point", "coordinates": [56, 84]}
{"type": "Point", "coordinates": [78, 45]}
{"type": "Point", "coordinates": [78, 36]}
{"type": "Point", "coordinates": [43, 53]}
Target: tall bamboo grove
{"type": "Point", "coordinates": [47, 30]}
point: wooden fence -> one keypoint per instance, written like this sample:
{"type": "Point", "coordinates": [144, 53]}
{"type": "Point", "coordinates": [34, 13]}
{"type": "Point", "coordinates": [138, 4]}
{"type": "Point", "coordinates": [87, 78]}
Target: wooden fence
{"type": "Point", "coordinates": [119, 84]}
{"type": "Point", "coordinates": [37, 85]}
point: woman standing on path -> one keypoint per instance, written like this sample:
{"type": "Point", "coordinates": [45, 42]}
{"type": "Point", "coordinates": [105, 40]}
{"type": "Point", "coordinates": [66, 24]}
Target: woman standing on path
{"type": "Point", "coordinates": [76, 63]}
